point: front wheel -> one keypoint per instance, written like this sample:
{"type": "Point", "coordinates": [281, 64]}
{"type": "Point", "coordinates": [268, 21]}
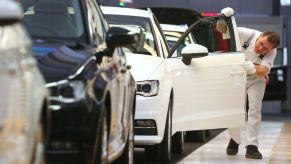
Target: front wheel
{"type": "Point", "coordinates": [163, 152]}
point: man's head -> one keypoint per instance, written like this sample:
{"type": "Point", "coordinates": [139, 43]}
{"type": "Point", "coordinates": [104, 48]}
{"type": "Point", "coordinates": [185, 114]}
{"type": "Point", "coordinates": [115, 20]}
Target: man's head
{"type": "Point", "coordinates": [266, 42]}
{"type": "Point", "coordinates": [221, 26]}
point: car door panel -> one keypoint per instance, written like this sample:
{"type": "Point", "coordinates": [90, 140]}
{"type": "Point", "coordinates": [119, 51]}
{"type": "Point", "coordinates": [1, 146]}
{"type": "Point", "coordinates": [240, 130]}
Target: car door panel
{"type": "Point", "coordinates": [209, 93]}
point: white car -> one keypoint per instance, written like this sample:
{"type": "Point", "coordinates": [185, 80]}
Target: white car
{"type": "Point", "coordinates": [23, 97]}
{"type": "Point", "coordinates": [173, 33]}
{"type": "Point", "coordinates": [184, 89]}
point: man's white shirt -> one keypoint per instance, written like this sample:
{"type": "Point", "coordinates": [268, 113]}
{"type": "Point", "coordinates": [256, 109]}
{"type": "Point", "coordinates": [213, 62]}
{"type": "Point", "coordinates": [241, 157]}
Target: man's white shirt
{"type": "Point", "coordinates": [245, 34]}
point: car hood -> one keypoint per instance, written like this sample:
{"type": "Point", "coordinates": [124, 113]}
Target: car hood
{"type": "Point", "coordinates": [176, 16]}
{"type": "Point", "coordinates": [57, 62]}
{"type": "Point", "coordinates": [142, 66]}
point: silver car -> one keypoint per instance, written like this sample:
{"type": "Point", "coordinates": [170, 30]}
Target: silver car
{"type": "Point", "coordinates": [22, 93]}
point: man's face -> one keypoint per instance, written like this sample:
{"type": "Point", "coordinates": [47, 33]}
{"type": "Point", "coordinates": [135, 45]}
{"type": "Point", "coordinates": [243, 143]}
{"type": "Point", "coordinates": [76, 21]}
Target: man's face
{"type": "Point", "coordinates": [262, 45]}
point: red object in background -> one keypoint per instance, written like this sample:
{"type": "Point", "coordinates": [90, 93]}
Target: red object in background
{"type": "Point", "coordinates": [223, 44]}
{"type": "Point", "coordinates": [208, 14]}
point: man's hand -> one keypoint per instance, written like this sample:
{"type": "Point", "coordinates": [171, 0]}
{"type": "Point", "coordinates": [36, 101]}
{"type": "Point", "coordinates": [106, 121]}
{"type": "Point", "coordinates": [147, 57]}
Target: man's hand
{"type": "Point", "coordinates": [227, 12]}
{"type": "Point", "coordinates": [249, 67]}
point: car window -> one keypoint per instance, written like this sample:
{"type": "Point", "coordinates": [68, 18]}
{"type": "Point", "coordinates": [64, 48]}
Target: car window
{"type": "Point", "coordinates": [53, 18]}
{"type": "Point", "coordinates": [96, 25]}
{"type": "Point", "coordinates": [215, 33]}
{"type": "Point", "coordinates": [142, 25]}
{"type": "Point", "coordinates": [173, 36]}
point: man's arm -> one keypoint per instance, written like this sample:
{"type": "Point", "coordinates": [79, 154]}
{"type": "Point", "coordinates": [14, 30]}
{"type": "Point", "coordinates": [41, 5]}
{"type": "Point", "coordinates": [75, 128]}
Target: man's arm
{"type": "Point", "coordinates": [256, 69]}
{"type": "Point", "coordinates": [261, 70]}
{"type": "Point", "coordinates": [264, 68]}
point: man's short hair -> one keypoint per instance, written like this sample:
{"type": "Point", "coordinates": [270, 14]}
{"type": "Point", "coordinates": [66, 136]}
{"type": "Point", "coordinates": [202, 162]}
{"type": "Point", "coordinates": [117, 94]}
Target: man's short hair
{"type": "Point", "coordinates": [273, 38]}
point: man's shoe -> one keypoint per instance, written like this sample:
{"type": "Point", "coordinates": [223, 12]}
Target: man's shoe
{"type": "Point", "coordinates": [232, 147]}
{"type": "Point", "coordinates": [253, 152]}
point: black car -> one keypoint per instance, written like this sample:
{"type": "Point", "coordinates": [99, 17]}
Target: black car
{"type": "Point", "coordinates": [92, 89]}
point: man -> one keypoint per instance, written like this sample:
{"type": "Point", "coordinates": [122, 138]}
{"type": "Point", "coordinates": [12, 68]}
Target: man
{"type": "Point", "coordinates": [260, 51]}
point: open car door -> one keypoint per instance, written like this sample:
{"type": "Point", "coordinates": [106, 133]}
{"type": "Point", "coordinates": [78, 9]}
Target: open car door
{"type": "Point", "coordinates": [209, 79]}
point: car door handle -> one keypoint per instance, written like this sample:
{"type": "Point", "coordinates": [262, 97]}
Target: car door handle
{"type": "Point", "coordinates": [237, 73]}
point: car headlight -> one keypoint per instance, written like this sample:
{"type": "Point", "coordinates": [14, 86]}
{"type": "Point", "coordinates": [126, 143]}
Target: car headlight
{"type": "Point", "coordinates": [147, 88]}
{"type": "Point", "coordinates": [66, 91]}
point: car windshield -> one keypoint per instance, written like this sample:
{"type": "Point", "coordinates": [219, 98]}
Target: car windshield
{"type": "Point", "coordinates": [146, 43]}
{"type": "Point", "coordinates": [60, 19]}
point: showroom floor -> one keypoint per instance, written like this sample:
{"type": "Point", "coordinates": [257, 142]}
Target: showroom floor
{"type": "Point", "coordinates": [275, 145]}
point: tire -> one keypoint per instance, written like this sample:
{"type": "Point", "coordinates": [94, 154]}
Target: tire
{"type": "Point", "coordinates": [195, 136]}
{"type": "Point", "coordinates": [178, 142]}
{"type": "Point", "coordinates": [152, 153]}
{"type": "Point", "coordinates": [166, 145]}
{"type": "Point", "coordinates": [127, 156]}
{"type": "Point", "coordinates": [162, 152]}
{"type": "Point", "coordinates": [100, 151]}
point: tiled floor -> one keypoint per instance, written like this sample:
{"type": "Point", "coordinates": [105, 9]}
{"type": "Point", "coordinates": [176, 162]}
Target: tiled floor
{"type": "Point", "coordinates": [214, 152]}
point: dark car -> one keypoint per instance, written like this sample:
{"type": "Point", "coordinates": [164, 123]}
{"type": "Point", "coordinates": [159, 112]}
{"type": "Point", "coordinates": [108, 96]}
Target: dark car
{"type": "Point", "coordinates": [92, 89]}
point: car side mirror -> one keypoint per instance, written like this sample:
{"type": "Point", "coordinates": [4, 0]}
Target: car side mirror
{"type": "Point", "coordinates": [116, 37]}
{"type": "Point", "coordinates": [10, 12]}
{"type": "Point", "coordinates": [120, 37]}
{"type": "Point", "coordinates": [193, 51]}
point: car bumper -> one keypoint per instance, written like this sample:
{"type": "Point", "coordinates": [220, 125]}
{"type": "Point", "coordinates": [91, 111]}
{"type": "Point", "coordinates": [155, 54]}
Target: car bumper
{"type": "Point", "coordinates": [150, 108]}
{"type": "Point", "coordinates": [66, 120]}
